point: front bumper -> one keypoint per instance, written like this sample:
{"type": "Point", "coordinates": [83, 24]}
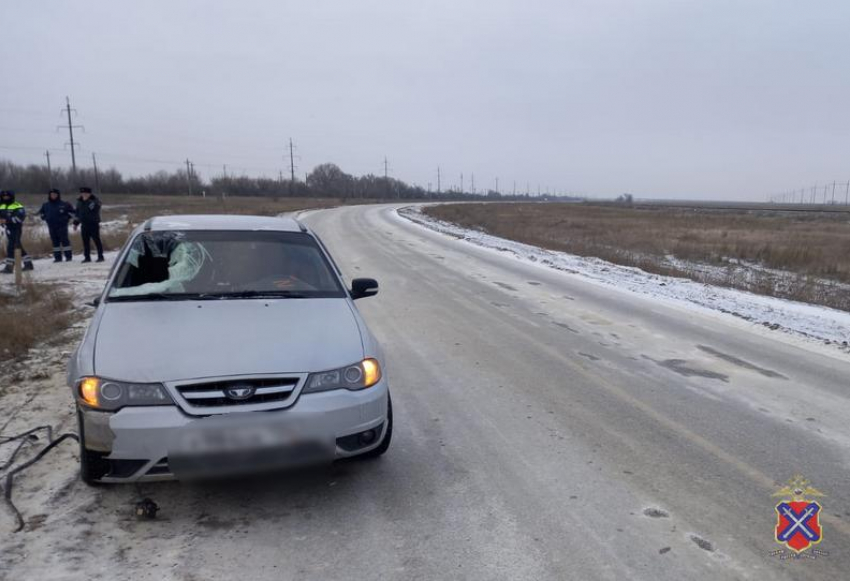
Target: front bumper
{"type": "Point", "coordinates": [138, 439]}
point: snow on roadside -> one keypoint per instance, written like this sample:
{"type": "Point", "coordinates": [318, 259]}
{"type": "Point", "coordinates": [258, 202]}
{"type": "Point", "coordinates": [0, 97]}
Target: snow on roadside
{"type": "Point", "coordinates": [83, 280]}
{"type": "Point", "coordinates": [33, 393]}
{"type": "Point", "coordinates": [801, 319]}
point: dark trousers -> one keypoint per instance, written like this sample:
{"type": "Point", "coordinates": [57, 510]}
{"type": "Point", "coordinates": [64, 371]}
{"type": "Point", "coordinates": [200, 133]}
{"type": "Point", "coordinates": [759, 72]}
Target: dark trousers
{"type": "Point", "coordinates": [61, 243]}
{"type": "Point", "coordinates": [13, 240]}
{"type": "Point", "coordinates": [91, 233]}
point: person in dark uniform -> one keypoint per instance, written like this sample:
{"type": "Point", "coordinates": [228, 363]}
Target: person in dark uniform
{"type": "Point", "coordinates": [88, 218]}
{"type": "Point", "coordinates": [57, 213]}
{"type": "Point", "coordinates": [12, 215]}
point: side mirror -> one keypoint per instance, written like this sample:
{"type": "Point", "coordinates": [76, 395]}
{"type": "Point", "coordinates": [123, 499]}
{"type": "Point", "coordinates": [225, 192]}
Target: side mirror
{"type": "Point", "coordinates": [94, 302]}
{"type": "Point", "coordinates": [363, 287]}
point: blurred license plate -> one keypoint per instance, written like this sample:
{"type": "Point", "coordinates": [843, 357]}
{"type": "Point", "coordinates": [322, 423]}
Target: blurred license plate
{"type": "Point", "coordinates": [232, 439]}
{"type": "Point", "coordinates": [215, 447]}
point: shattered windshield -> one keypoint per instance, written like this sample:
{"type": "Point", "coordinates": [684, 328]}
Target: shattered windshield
{"type": "Point", "coordinates": [224, 264]}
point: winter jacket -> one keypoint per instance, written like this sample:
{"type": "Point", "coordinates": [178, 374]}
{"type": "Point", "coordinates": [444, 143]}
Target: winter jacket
{"type": "Point", "coordinates": [88, 211]}
{"type": "Point", "coordinates": [12, 213]}
{"type": "Point", "coordinates": [56, 212]}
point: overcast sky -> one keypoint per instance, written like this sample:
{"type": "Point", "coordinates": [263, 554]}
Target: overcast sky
{"type": "Point", "coordinates": [663, 98]}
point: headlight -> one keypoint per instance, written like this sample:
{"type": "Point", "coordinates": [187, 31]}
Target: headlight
{"type": "Point", "coordinates": [358, 376]}
{"type": "Point", "coordinates": [106, 394]}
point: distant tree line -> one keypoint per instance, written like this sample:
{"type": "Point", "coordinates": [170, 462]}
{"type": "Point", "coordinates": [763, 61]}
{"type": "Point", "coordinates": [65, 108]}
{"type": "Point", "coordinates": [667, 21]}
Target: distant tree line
{"type": "Point", "coordinates": [326, 180]}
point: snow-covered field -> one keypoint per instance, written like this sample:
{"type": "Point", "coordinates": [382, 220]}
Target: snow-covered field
{"type": "Point", "coordinates": [803, 320]}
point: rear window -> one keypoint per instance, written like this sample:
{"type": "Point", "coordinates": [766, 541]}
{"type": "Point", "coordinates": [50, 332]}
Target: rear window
{"type": "Point", "coordinates": [224, 264]}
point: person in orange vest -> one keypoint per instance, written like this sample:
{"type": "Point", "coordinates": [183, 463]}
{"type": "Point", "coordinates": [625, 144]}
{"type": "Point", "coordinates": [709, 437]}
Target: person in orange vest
{"type": "Point", "coordinates": [12, 216]}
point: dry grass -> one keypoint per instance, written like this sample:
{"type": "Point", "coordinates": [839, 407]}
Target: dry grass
{"type": "Point", "coordinates": [813, 247]}
{"type": "Point", "coordinates": [35, 313]}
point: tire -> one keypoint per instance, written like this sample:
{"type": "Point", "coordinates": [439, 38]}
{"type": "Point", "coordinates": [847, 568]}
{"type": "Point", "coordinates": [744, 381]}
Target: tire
{"type": "Point", "coordinates": [385, 443]}
{"type": "Point", "coordinates": [93, 465]}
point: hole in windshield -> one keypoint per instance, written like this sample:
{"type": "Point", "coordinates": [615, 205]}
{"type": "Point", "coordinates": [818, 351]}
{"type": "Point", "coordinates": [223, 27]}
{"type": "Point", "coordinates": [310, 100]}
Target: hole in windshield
{"type": "Point", "coordinates": [222, 264]}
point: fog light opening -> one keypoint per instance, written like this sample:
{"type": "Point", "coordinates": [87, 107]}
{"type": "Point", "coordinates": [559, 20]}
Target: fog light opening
{"type": "Point", "coordinates": [368, 437]}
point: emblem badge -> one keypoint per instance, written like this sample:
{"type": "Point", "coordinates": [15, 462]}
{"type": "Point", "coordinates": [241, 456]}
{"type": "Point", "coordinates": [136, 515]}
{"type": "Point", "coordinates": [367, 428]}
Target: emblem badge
{"type": "Point", "coordinates": [798, 525]}
{"type": "Point", "coordinates": [239, 392]}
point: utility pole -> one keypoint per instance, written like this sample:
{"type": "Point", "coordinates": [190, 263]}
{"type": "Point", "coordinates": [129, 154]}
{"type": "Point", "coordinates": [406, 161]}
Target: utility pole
{"type": "Point", "coordinates": [497, 185]}
{"type": "Point", "coordinates": [189, 175]}
{"type": "Point", "coordinates": [833, 193]}
{"type": "Point", "coordinates": [291, 167]}
{"type": "Point", "coordinates": [71, 127]}
{"type": "Point", "coordinates": [438, 179]}
{"type": "Point", "coordinates": [847, 194]}
{"type": "Point", "coordinates": [96, 176]}
{"type": "Point", "coordinates": [472, 185]}
{"type": "Point", "coordinates": [386, 177]}
{"type": "Point", "coordinates": [49, 171]}
{"type": "Point", "coordinates": [514, 187]}
{"type": "Point", "coordinates": [291, 161]}
{"type": "Point", "coordinates": [461, 182]}
{"type": "Point", "coordinates": [223, 180]}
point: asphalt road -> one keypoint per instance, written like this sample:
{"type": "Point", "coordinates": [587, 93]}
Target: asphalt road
{"type": "Point", "coordinates": [545, 428]}
{"type": "Point", "coordinates": [539, 416]}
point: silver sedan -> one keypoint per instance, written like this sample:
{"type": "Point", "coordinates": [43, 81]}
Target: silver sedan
{"type": "Point", "coordinates": [226, 345]}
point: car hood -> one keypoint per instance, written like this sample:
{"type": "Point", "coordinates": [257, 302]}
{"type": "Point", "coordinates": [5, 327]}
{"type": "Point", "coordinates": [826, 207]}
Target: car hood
{"type": "Point", "coordinates": [170, 341]}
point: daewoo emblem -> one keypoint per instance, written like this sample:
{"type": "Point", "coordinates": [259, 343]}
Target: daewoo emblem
{"type": "Point", "coordinates": [239, 392]}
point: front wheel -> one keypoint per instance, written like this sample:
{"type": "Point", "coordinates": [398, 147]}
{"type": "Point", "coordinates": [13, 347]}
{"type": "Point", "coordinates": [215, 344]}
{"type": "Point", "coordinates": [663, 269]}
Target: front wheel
{"type": "Point", "coordinates": [385, 443]}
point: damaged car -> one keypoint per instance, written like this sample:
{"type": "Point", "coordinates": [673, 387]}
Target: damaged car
{"type": "Point", "coordinates": [226, 345]}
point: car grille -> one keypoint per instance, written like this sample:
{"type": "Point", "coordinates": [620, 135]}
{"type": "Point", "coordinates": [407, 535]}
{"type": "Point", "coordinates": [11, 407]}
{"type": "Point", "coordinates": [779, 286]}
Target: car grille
{"type": "Point", "coordinates": [233, 392]}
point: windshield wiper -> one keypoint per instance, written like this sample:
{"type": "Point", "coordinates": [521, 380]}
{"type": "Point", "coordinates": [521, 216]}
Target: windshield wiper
{"type": "Point", "coordinates": [158, 297]}
{"type": "Point", "coordinates": [252, 294]}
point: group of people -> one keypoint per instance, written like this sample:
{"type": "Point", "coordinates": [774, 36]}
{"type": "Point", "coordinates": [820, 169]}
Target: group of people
{"type": "Point", "coordinates": [57, 213]}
